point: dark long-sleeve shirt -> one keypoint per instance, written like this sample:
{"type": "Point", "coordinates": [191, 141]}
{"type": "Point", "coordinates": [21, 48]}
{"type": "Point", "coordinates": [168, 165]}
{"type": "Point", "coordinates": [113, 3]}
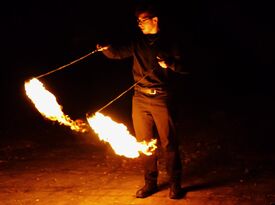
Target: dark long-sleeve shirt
{"type": "Point", "coordinates": [145, 49]}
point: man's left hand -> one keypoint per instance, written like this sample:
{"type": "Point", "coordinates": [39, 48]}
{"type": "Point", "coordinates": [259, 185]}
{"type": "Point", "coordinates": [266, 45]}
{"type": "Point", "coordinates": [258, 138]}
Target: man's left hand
{"type": "Point", "coordinates": [162, 62]}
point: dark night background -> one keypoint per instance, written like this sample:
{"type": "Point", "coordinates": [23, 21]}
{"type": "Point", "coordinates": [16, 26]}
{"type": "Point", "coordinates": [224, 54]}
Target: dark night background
{"type": "Point", "coordinates": [229, 51]}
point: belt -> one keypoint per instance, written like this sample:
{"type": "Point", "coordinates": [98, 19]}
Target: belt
{"type": "Point", "coordinates": [149, 91]}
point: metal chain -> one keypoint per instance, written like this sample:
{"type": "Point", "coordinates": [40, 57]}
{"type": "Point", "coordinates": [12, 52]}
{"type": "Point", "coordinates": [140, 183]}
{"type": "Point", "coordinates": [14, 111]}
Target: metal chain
{"type": "Point", "coordinates": [120, 95]}
{"type": "Point", "coordinates": [68, 64]}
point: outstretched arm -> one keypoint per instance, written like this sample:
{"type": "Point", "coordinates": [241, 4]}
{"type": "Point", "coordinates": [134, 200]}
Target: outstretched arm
{"type": "Point", "coordinates": [115, 51]}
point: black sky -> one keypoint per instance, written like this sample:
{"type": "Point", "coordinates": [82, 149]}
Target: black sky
{"type": "Point", "coordinates": [229, 44]}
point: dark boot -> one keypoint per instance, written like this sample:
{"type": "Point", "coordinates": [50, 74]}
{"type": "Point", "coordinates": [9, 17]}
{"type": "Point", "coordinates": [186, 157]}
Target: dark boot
{"type": "Point", "coordinates": [175, 191]}
{"type": "Point", "coordinates": [147, 190]}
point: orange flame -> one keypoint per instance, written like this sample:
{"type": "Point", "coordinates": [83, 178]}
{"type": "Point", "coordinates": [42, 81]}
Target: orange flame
{"type": "Point", "coordinates": [116, 134]}
{"type": "Point", "coordinates": [122, 142]}
{"type": "Point", "coordinates": [45, 102]}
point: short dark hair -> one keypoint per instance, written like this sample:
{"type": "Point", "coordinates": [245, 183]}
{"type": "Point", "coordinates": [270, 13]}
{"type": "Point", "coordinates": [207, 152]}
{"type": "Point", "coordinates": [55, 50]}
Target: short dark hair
{"type": "Point", "coordinates": [149, 8]}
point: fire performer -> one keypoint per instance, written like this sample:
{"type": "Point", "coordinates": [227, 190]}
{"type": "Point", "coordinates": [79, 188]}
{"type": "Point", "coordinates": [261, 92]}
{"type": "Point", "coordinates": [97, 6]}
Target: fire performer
{"type": "Point", "coordinates": [155, 58]}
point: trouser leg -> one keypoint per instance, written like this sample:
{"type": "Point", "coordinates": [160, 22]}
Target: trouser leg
{"type": "Point", "coordinates": [150, 169]}
{"type": "Point", "coordinates": [167, 134]}
{"type": "Point", "coordinates": [144, 127]}
{"type": "Point", "coordinates": [173, 166]}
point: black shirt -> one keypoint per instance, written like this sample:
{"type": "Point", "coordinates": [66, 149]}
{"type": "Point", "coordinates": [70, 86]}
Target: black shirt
{"type": "Point", "coordinates": [145, 49]}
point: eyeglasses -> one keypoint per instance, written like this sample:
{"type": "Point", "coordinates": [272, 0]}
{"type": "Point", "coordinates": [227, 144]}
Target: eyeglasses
{"type": "Point", "coordinates": [142, 21]}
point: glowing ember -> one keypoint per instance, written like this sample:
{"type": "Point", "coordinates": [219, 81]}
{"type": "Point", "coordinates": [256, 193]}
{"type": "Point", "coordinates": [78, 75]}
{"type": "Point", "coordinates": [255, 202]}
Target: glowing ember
{"type": "Point", "coordinates": [119, 137]}
{"type": "Point", "coordinates": [45, 102]}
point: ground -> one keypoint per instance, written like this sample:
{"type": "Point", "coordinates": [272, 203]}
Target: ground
{"type": "Point", "coordinates": [61, 167]}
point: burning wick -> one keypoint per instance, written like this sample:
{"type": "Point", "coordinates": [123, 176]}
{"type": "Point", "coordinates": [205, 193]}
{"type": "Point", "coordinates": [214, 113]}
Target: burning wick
{"type": "Point", "coordinates": [45, 102]}
{"type": "Point", "coordinates": [122, 142]}
{"type": "Point", "coordinates": [117, 135]}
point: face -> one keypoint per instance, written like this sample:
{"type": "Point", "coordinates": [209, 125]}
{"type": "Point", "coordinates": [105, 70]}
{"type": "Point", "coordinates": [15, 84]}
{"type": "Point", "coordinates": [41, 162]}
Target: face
{"type": "Point", "coordinates": [147, 24]}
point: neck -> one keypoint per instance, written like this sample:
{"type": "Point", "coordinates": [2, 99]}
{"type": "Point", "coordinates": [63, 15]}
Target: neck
{"type": "Point", "coordinates": [154, 31]}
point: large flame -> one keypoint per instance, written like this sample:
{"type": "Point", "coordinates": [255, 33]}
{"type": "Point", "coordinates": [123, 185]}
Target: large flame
{"type": "Point", "coordinates": [45, 102]}
{"type": "Point", "coordinates": [122, 142]}
{"type": "Point", "coordinates": [114, 133]}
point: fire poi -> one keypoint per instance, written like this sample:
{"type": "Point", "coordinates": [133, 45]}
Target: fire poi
{"type": "Point", "coordinates": [116, 134]}
{"type": "Point", "coordinates": [45, 102]}
{"type": "Point", "coordinates": [119, 137]}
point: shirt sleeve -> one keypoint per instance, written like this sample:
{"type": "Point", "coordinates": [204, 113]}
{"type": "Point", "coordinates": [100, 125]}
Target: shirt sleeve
{"type": "Point", "coordinates": [119, 51]}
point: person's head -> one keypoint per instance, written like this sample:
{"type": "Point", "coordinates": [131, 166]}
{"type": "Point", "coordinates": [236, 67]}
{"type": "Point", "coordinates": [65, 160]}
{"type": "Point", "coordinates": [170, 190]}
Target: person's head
{"type": "Point", "coordinates": [147, 19]}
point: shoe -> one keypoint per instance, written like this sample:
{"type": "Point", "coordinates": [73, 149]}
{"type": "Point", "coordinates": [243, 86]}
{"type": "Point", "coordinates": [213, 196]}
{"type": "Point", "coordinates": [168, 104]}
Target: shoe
{"type": "Point", "coordinates": [175, 191]}
{"type": "Point", "coordinates": [147, 190]}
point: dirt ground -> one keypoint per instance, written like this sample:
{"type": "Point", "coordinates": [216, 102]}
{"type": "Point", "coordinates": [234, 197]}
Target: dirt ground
{"type": "Point", "coordinates": [78, 169]}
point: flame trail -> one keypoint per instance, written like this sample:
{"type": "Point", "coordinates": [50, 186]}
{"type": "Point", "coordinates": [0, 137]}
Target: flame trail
{"type": "Point", "coordinates": [45, 102]}
{"type": "Point", "coordinates": [122, 142]}
{"type": "Point", "coordinates": [117, 135]}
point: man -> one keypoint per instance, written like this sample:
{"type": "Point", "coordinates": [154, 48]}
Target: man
{"type": "Point", "coordinates": [155, 59]}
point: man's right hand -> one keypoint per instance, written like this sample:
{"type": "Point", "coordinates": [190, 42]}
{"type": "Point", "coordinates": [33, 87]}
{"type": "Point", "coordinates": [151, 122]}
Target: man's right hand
{"type": "Point", "coordinates": [101, 48]}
